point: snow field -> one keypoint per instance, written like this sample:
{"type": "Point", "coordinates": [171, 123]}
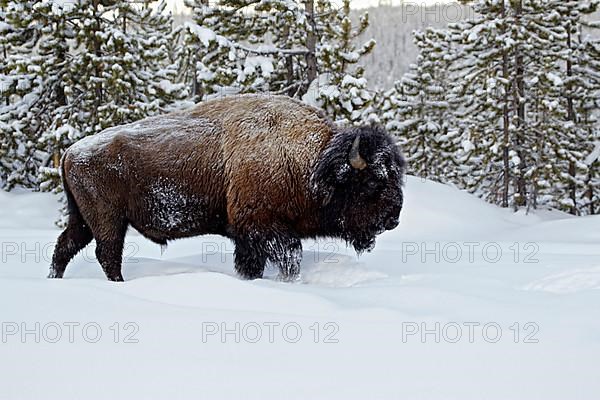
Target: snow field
{"type": "Point", "coordinates": [434, 312]}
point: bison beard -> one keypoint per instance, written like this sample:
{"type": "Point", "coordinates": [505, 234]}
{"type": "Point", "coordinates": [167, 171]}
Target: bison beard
{"type": "Point", "coordinates": [264, 171]}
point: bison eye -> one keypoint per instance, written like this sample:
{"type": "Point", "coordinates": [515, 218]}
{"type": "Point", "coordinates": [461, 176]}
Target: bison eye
{"type": "Point", "coordinates": [373, 185]}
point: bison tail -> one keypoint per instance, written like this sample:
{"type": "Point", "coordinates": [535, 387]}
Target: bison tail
{"type": "Point", "coordinates": [73, 212]}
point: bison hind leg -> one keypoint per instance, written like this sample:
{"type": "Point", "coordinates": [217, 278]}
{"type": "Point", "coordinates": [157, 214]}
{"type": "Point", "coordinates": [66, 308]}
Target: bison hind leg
{"type": "Point", "coordinates": [75, 237]}
{"type": "Point", "coordinates": [109, 254]}
{"type": "Point", "coordinates": [110, 238]}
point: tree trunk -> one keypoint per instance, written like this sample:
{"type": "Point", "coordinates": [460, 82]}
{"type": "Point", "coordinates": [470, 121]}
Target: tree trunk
{"type": "Point", "coordinates": [98, 53]}
{"type": "Point", "coordinates": [590, 190]}
{"type": "Point", "coordinates": [197, 90]}
{"type": "Point", "coordinates": [311, 43]}
{"type": "Point", "coordinates": [573, 118]}
{"type": "Point", "coordinates": [4, 51]}
{"type": "Point", "coordinates": [506, 122]}
{"type": "Point", "coordinates": [519, 95]}
{"type": "Point", "coordinates": [56, 159]}
{"type": "Point", "coordinates": [289, 65]}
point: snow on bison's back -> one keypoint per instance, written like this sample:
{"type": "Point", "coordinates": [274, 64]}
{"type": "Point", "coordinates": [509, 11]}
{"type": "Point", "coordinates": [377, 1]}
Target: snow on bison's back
{"type": "Point", "coordinates": [265, 171]}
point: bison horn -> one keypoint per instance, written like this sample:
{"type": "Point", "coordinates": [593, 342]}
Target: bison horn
{"type": "Point", "coordinates": [356, 160]}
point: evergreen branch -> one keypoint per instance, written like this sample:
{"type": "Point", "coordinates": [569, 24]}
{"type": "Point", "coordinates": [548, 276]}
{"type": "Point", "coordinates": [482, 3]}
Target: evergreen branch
{"type": "Point", "coordinates": [287, 88]}
{"type": "Point", "coordinates": [292, 52]}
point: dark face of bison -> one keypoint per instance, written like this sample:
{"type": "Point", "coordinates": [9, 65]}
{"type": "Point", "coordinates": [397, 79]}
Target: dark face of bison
{"type": "Point", "coordinates": [358, 179]}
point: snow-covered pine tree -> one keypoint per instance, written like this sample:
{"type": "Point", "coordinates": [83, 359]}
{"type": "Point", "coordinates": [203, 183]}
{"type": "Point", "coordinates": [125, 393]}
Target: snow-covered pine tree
{"type": "Point", "coordinates": [289, 36]}
{"type": "Point", "coordinates": [524, 102]}
{"type": "Point", "coordinates": [277, 46]}
{"type": "Point", "coordinates": [342, 89]}
{"type": "Point", "coordinates": [75, 68]}
{"type": "Point", "coordinates": [135, 74]}
{"type": "Point", "coordinates": [517, 90]}
{"type": "Point", "coordinates": [537, 98]}
{"type": "Point", "coordinates": [205, 59]}
{"type": "Point", "coordinates": [556, 89]}
{"type": "Point", "coordinates": [21, 87]}
{"type": "Point", "coordinates": [5, 31]}
{"type": "Point", "coordinates": [242, 46]}
{"type": "Point", "coordinates": [420, 102]}
{"type": "Point", "coordinates": [52, 62]}
{"type": "Point", "coordinates": [8, 36]}
{"type": "Point", "coordinates": [104, 65]}
{"type": "Point", "coordinates": [483, 74]}
{"type": "Point", "coordinates": [149, 29]}
{"type": "Point", "coordinates": [589, 66]}
{"type": "Point", "coordinates": [577, 131]}
{"type": "Point", "coordinates": [388, 102]}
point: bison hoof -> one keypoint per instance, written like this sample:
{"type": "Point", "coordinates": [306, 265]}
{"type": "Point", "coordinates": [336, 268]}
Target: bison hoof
{"type": "Point", "coordinates": [250, 275]}
{"type": "Point", "coordinates": [116, 278]}
{"type": "Point", "coordinates": [289, 278]}
{"type": "Point", "coordinates": [54, 274]}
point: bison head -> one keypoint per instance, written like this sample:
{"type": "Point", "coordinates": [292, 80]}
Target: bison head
{"type": "Point", "coordinates": [358, 182]}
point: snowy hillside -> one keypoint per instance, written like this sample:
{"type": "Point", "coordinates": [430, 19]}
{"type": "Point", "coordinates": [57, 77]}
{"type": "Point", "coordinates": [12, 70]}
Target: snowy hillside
{"type": "Point", "coordinates": [462, 301]}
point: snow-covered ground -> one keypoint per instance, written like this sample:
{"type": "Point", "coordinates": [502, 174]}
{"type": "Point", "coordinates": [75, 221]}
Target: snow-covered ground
{"type": "Point", "coordinates": [462, 301]}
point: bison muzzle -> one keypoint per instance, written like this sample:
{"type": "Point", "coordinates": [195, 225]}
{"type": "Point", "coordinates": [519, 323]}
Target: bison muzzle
{"type": "Point", "coordinates": [264, 171]}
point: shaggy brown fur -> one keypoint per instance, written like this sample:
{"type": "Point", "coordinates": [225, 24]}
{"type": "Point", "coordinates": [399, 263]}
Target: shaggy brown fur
{"type": "Point", "coordinates": [242, 167]}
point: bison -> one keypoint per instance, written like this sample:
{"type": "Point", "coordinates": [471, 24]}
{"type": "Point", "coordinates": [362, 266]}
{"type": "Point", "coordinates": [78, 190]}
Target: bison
{"type": "Point", "coordinates": [264, 171]}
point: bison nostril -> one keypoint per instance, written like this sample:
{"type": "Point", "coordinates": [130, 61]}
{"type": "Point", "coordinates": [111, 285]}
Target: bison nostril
{"type": "Point", "coordinates": [391, 223]}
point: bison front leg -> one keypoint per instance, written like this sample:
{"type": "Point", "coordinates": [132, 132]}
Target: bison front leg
{"type": "Point", "coordinates": [252, 252]}
{"type": "Point", "coordinates": [250, 258]}
{"type": "Point", "coordinates": [286, 252]}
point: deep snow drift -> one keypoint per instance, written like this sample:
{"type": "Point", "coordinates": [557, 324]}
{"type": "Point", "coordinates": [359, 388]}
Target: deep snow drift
{"type": "Point", "coordinates": [462, 300]}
